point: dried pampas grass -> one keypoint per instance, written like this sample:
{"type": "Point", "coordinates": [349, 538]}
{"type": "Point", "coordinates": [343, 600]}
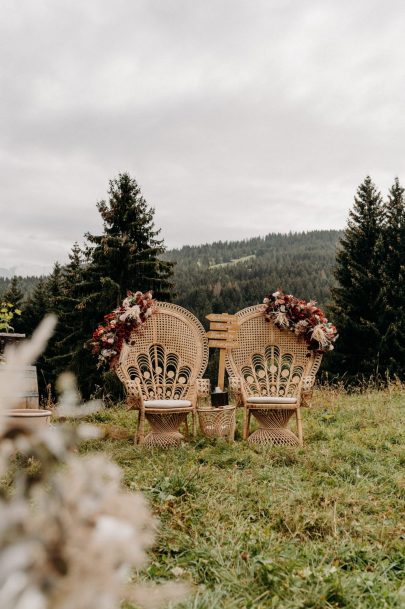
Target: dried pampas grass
{"type": "Point", "coordinates": [70, 536]}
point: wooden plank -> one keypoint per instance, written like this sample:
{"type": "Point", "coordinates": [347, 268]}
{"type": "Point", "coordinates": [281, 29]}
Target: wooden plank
{"type": "Point", "coordinates": [222, 335]}
{"type": "Point", "coordinates": [219, 316]}
{"type": "Point", "coordinates": [220, 344]}
{"type": "Point", "coordinates": [221, 370]}
{"type": "Point", "coordinates": [223, 325]}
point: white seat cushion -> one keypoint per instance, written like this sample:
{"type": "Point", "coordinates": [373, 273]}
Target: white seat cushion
{"type": "Point", "coordinates": [167, 403]}
{"type": "Point", "coordinates": [268, 399]}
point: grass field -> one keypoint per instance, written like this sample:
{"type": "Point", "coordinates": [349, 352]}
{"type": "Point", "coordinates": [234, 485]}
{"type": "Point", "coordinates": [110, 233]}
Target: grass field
{"type": "Point", "coordinates": [317, 527]}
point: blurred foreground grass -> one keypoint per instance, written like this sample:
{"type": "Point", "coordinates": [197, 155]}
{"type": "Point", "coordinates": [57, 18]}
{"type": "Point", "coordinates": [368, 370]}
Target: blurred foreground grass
{"type": "Point", "coordinates": [317, 527]}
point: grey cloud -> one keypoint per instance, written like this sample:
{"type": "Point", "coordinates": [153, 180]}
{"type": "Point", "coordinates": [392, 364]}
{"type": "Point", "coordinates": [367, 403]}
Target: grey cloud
{"type": "Point", "coordinates": [236, 117]}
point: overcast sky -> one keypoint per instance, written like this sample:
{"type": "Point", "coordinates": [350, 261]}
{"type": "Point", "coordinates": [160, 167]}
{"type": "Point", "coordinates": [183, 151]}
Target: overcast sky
{"type": "Point", "coordinates": [236, 117]}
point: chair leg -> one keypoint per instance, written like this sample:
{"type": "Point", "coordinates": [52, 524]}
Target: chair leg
{"type": "Point", "coordinates": [246, 421]}
{"type": "Point", "coordinates": [186, 426]}
{"type": "Point", "coordinates": [231, 435]}
{"type": "Point", "coordinates": [194, 420]}
{"type": "Point", "coordinates": [299, 427]}
{"type": "Point", "coordinates": [140, 436]}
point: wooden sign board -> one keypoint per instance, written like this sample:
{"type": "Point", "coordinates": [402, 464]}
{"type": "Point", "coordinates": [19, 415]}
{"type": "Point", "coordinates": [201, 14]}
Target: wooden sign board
{"type": "Point", "coordinates": [220, 317]}
{"type": "Point", "coordinates": [222, 344]}
{"type": "Point", "coordinates": [222, 335]}
{"type": "Point", "coordinates": [223, 325]}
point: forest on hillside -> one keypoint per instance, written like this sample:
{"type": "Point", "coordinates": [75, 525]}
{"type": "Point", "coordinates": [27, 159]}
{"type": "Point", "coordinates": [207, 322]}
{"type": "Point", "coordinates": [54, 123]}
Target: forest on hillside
{"type": "Point", "coordinates": [228, 276]}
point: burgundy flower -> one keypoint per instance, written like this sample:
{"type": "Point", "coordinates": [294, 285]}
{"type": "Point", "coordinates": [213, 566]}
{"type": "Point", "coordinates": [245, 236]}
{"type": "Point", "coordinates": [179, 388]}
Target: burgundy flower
{"type": "Point", "coordinates": [108, 339]}
{"type": "Point", "coordinates": [303, 318]}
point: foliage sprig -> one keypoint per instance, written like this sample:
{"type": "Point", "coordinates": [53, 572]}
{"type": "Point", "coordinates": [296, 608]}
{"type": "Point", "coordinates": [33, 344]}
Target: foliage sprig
{"type": "Point", "coordinates": [7, 313]}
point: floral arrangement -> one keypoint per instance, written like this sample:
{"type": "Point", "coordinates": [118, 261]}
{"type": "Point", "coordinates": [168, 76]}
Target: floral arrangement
{"type": "Point", "coordinates": [301, 317]}
{"type": "Point", "coordinates": [118, 326]}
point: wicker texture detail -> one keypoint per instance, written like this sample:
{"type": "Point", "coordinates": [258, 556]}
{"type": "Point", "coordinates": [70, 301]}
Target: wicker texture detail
{"type": "Point", "coordinates": [165, 432]}
{"type": "Point", "coordinates": [164, 362]}
{"type": "Point", "coordinates": [270, 362]}
{"type": "Point", "coordinates": [217, 422]}
{"type": "Point", "coordinates": [203, 388]}
{"type": "Point", "coordinates": [273, 428]}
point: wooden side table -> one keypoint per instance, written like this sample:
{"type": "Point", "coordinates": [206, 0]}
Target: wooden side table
{"type": "Point", "coordinates": [217, 422]}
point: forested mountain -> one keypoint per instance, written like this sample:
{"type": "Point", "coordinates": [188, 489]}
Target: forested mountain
{"type": "Point", "coordinates": [227, 276]}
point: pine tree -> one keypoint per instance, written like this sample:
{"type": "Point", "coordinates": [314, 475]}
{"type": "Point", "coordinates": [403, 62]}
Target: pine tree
{"type": "Point", "coordinates": [54, 291]}
{"type": "Point", "coordinates": [393, 277]}
{"type": "Point", "coordinates": [54, 287]}
{"type": "Point", "coordinates": [15, 296]}
{"type": "Point", "coordinates": [69, 345]}
{"type": "Point", "coordinates": [37, 306]}
{"type": "Point", "coordinates": [357, 299]}
{"type": "Point", "coordinates": [125, 257]}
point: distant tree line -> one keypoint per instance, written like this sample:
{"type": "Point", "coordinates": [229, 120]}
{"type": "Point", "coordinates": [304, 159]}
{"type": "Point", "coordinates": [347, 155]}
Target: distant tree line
{"type": "Point", "coordinates": [228, 276]}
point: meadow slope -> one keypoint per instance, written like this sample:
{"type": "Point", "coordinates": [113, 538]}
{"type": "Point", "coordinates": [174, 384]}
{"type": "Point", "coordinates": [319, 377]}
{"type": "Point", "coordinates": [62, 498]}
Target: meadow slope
{"type": "Point", "coordinates": [317, 527]}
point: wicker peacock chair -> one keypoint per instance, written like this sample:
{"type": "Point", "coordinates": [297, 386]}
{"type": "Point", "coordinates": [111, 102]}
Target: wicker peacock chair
{"type": "Point", "coordinates": [161, 368]}
{"type": "Point", "coordinates": [273, 373]}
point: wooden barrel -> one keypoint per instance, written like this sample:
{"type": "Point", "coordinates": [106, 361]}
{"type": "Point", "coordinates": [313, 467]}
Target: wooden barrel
{"type": "Point", "coordinates": [28, 394]}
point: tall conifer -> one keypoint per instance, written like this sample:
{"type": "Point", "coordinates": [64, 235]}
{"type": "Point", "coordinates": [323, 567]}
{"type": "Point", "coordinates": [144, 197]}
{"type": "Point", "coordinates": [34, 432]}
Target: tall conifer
{"type": "Point", "coordinates": [126, 256]}
{"type": "Point", "coordinates": [357, 299]}
{"type": "Point", "coordinates": [69, 347]}
{"type": "Point", "coordinates": [15, 296]}
{"type": "Point", "coordinates": [37, 306]}
{"type": "Point", "coordinates": [393, 277]}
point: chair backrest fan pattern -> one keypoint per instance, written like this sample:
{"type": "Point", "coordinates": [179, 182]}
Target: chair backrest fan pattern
{"type": "Point", "coordinates": [271, 362]}
{"type": "Point", "coordinates": [167, 356]}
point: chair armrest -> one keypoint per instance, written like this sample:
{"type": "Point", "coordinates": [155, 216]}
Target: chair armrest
{"type": "Point", "coordinates": [307, 391]}
{"type": "Point", "coordinates": [203, 388]}
{"type": "Point", "coordinates": [134, 395]}
{"type": "Point", "coordinates": [235, 390]}
{"type": "Point", "coordinates": [203, 391]}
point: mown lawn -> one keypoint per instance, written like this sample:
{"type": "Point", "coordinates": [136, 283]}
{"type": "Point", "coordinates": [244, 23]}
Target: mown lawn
{"type": "Point", "coordinates": [290, 528]}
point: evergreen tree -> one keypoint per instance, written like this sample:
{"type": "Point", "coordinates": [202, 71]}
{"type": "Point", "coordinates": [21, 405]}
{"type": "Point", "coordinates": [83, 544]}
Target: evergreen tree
{"type": "Point", "coordinates": [357, 299]}
{"type": "Point", "coordinates": [54, 287]}
{"type": "Point", "coordinates": [69, 345]}
{"type": "Point", "coordinates": [125, 257]}
{"type": "Point", "coordinates": [54, 291]}
{"type": "Point", "coordinates": [393, 276]}
{"type": "Point", "coordinates": [37, 306]}
{"type": "Point", "coordinates": [35, 310]}
{"type": "Point", "coordinates": [15, 296]}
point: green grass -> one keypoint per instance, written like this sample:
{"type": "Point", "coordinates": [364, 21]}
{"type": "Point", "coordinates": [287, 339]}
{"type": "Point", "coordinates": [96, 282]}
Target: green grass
{"type": "Point", "coordinates": [316, 527]}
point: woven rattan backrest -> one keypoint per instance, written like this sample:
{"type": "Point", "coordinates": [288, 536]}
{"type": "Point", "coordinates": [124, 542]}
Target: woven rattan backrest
{"type": "Point", "coordinates": [167, 355]}
{"type": "Point", "coordinates": [270, 361]}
